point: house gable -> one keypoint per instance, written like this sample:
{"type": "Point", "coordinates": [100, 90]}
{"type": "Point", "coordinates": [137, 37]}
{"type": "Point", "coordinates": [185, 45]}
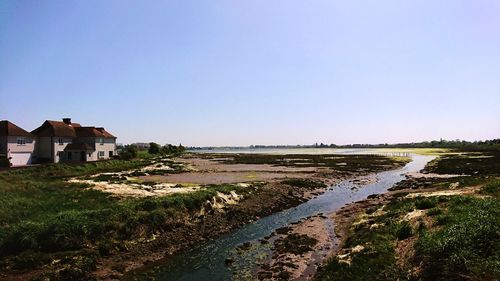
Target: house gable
{"type": "Point", "coordinates": [8, 129]}
{"type": "Point", "coordinates": [56, 129]}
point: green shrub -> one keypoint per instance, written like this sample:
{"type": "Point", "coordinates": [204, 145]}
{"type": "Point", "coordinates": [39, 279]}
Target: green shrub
{"type": "Point", "coordinates": [172, 149]}
{"type": "Point", "coordinates": [4, 161]}
{"type": "Point", "coordinates": [29, 260]}
{"type": "Point", "coordinates": [371, 264]}
{"type": "Point", "coordinates": [129, 152]}
{"type": "Point", "coordinates": [148, 204]}
{"type": "Point", "coordinates": [492, 188]}
{"type": "Point", "coordinates": [154, 148]}
{"type": "Point", "coordinates": [442, 219]}
{"type": "Point", "coordinates": [422, 226]}
{"type": "Point", "coordinates": [404, 230]}
{"type": "Point", "coordinates": [434, 211]}
{"type": "Point", "coordinates": [156, 219]}
{"type": "Point", "coordinates": [425, 203]}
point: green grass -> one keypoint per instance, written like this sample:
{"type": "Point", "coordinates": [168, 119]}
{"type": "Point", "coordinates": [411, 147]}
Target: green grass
{"type": "Point", "coordinates": [492, 188]}
{"type": "Point", "coordinates": [40, 212]}
{"type": "Point", "coordinates": [467, 246]}
{"type": "Point", "coordinates": [434, 212]}
{"type": "Point", "coordinates": [404, 230]}
{"type": "Point", "coordinates": [460, 240]}
{"type": "Point", "coordinates": [463, 243]}
{"type": "Point", "coordinates": [377, 261]}
{"type": "Point", "coordinates": [370, 264]}
{"type": "Point", "coordinates": [425, 203]}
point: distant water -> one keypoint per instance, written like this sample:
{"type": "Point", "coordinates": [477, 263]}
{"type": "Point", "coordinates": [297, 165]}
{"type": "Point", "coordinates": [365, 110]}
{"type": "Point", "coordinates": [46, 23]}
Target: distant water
{"type": "Point", "coordinates": [281, 151]}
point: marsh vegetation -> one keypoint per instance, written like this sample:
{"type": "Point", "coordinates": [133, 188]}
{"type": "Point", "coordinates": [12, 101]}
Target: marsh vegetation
{"type": "Point", "coordinates": [55, 223]}
{"type": "Point", "coordinates": [437, 237]}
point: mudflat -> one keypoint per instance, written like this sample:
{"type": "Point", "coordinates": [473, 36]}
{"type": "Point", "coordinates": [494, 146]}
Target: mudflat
{"type": "Point", "coordinates": [110, 219]}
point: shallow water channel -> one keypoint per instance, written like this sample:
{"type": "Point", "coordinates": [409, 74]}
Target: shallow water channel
{"type": "Point", "coordinates": [207, 261]}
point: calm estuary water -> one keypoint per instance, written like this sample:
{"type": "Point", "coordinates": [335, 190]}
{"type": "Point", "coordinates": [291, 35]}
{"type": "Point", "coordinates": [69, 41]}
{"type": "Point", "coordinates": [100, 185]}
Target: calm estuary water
{"type": "Point", "coordinates": [282, 151]}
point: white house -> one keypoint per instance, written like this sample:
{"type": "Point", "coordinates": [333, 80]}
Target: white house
{"type": "Point", "coordinates": [54, 142]}
{"type": "Point", "coordinates": [66, 141]}
{"type": "Point", "coordinates": [16, 144]}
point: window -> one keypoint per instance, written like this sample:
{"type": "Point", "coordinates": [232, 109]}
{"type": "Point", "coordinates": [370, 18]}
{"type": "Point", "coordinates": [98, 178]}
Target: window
{"type": "Point", "coordinates": [101, 141]}
{"type": "Point", "coordinates": [110, 154]}
{"type": "Point", "coordinates": [21, 141]}
{"type": "Point", "coordinates": [69, 155]}
{"type": "Point", "coordinates": [101, 154]}
{"type": "Point", "coordinates": [61, 141]}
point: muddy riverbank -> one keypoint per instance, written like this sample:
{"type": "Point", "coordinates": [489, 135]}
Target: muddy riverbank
{"type": "Point", "coordinates": [218, 259]}
{"type": "Point", "coordinates": [153, 209]}
{"type": "Point", "coordinates": [286, 187]}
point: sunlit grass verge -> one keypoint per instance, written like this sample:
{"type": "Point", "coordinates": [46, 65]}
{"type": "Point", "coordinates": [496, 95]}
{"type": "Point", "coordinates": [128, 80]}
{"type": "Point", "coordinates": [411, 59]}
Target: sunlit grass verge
{"type": "Point", "coordinates": [73, 226]}
{"type": "Point", "coordinates": [42, 216]}
{"type": "Point", "coordinates": [377, 260]}
{"type": "Point", "coordinates": [461, 242]}
{"type": "Point", "coordinates": [492, 188]}
{"type": "Point", "coordinates": [467, 246]}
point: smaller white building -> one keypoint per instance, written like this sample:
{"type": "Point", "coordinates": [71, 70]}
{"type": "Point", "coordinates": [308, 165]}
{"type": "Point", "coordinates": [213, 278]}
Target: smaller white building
{"type": "Point", "coordinates": [16, 144]}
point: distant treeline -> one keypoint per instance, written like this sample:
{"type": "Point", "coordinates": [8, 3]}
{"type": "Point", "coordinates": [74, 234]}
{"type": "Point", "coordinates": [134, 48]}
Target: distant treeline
{"type": "Point", "coordinates": [487, 145]}
{"type": "Point", "coordinates": [131, 151]}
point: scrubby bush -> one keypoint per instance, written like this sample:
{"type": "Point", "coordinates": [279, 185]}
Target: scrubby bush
{"type": "Point", "coordinates": [129, 152]}
{"type": "Point", "coordinates": [154, 148]}
{"type": "Point", "coordinates": [4, 161]}
{"type": "Point", "coordinates": [434, 212]}
{"type": "Point", "coordinates": [492, 188]}
{"type": "Point", "coordinates": [425, 203]}
{"type": "Point", "coordinates": [172, 149]}
{"type": "Point", "coordinates": [442, 219]}
{"type": "Point", "coordinates": [404, 230]}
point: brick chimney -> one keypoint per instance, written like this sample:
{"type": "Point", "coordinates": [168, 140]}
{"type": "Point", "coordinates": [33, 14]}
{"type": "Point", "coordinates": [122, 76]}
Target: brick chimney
{"type": "Point", "coordinates": [67, 121]}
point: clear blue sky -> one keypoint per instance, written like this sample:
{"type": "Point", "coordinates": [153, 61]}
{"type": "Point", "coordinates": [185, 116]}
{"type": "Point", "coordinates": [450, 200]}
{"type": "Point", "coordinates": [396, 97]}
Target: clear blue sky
{"type": "Point", "coordinates": [255, 72]}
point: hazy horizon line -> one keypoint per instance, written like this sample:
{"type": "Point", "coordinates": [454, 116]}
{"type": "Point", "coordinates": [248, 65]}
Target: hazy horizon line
{"type": "Point", "coordinates": [313, 145]}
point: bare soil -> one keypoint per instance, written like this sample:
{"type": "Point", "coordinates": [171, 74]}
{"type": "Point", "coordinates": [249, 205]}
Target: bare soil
{"type": "Point", "coordinates": [213, 171]}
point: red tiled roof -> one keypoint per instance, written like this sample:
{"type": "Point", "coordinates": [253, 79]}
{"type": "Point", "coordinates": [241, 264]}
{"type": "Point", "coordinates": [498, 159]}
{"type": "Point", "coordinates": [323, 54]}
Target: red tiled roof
{"type": "Point", "coordinates": [93, 132]}
{"type": "Point", "coordinates": [10, 129]}
{"type": "Point", "coordinates": [78, 146]}
{"type": "Point", "coordinates": [60, 129]}
{"type": "Point", "coordinates": [56, 129]}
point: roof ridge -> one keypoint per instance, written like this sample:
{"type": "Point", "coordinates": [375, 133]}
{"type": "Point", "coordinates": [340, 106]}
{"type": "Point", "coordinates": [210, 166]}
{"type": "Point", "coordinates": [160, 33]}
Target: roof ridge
{"type": "Point", "coordinates": [10, 129]}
